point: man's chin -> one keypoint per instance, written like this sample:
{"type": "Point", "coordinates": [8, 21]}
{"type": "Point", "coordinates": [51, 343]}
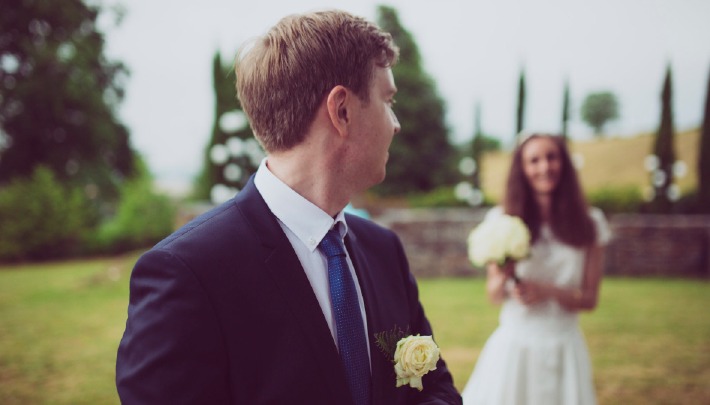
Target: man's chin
{"type": "Point", "coordinates": [381, 177]}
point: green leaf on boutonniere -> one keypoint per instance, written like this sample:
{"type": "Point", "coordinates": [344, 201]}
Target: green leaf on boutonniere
{"type": "Point", "coordinates": [387, 341]}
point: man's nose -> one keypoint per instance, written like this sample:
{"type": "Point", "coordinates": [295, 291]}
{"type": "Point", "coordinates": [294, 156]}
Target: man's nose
{"type": "Point", "coordinates": [397, 126]}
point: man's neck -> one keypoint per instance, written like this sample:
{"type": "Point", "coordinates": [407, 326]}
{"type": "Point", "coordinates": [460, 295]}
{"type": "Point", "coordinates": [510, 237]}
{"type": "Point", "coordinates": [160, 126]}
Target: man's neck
{"type": "Point", "coordinates": [312, 178]}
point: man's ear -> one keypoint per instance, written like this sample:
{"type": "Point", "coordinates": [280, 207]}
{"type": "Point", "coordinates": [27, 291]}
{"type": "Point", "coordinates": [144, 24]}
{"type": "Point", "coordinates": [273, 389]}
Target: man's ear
{"type": "Point", "coordinates": [338, 104]}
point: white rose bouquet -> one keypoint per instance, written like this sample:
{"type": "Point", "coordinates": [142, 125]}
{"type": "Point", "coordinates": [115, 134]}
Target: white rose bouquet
{"type": "Point", "coordinates": [499, 239]}
{"type": "Point", "coordinates": [414, 357]}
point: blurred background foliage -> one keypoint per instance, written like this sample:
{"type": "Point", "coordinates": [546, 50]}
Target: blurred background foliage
{"type": "Point", "coordinates": [142, 218]}
{"type": "Point", "coordinates": [599, 108]}
{"type": "Point", "coordinates": [40, 218]}
{"type": "Point", "coordinates": [59, 96]}
{"type": "Point", "coordinates": [70, 182]}
{"type": "Point", "coordinates": [232, 153]}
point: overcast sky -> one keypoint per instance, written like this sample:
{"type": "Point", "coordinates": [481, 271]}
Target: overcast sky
{"type": "Point", "coordinates": [473, 49]}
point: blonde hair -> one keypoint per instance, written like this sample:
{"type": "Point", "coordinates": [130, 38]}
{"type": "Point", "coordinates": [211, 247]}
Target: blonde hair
{"type": "Point", "coordinates": [283, 76]}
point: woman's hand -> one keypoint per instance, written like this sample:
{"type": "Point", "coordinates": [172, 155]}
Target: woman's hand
{"type": "Point", "coordinates": [508, 269]}
{"type": "Point", "coordinates": [497, 278]}
{"type": "Point", "coordinates": [529, 292]}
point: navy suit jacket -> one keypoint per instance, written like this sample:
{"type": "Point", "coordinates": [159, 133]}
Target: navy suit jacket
{"type": "Point", "coordinates": [221, 312]}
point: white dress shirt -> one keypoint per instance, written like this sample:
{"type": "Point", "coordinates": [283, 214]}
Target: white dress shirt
{"type": "Point", "coordinates": [305, 225]}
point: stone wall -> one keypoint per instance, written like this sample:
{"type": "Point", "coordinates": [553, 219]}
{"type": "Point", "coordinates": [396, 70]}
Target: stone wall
{"type": "Point", "coordinates": [668, 245]}
{"type": "Point", "coordinates": [643, 245]}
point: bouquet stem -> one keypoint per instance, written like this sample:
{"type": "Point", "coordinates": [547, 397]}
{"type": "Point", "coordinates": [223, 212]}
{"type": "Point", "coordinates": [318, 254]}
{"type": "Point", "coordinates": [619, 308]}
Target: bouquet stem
{"type": "Point", "coordinates": [509, 266]}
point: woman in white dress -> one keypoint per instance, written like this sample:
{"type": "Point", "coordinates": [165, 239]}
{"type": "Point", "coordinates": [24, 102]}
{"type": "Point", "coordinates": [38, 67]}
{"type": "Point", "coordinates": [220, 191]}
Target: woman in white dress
{"type": "Point", "coordinates": [538, 355]}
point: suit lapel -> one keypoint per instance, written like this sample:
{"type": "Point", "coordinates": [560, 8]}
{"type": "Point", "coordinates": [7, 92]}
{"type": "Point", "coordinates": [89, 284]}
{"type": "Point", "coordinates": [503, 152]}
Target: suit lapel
{"type": "Point", "coordinates": [281, 262]}
{"type": "Point", "coordinates": [382, 367]}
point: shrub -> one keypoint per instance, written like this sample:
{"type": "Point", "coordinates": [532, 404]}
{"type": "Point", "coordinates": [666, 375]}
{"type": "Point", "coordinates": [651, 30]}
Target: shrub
{"type": "Point", "coordinates": [40, 218]}
{"type": "Point", "coordinates": [440, 197]}
{"type": "Point", "coordinates": [616, 199]}
{"type": "Point", "coordinates": [143, 218]}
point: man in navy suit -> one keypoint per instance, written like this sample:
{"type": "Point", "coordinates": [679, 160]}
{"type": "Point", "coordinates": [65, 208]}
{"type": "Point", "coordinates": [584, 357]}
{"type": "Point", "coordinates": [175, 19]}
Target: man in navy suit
{"type": "Point", "coordinates": [235, 307]}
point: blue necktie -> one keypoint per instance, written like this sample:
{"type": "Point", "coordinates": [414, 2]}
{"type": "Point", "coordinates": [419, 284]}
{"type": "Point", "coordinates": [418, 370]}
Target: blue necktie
{"type": "Point", "coordinates": [352, 342]}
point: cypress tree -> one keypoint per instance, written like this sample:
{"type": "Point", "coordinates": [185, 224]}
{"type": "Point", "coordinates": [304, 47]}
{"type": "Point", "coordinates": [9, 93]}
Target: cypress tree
{"type": "Point", "coordinates": [565, 110]}
{"type": "Point", "coordinates": [232, 154]}
{"type": "Point", "coordinates": [704, 158]}
{"type": "Point", "coordinates": [521, 104]}
{"type": "Point", "coordinates": [663, 149]}
{"type": "Point", "coordinates": [477, 148]}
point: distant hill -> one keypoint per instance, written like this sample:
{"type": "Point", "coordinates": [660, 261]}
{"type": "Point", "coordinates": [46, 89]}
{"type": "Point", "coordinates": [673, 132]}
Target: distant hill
{"type": "Point", "coordinates": [613, 161]}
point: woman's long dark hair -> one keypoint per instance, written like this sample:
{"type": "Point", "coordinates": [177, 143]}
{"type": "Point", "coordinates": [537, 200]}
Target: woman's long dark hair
{"type": "Point", "coordinates": [569, 216]}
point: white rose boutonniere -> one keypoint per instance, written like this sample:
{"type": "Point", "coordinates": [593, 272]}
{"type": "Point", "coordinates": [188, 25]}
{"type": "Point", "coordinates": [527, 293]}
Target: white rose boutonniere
{"type": "Point", "coordinates": [499, 239]}
{"type": "Point", "coordinates": [414, 357]}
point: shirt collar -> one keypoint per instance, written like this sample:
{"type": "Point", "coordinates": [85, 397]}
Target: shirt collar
{"type": "Point", "coordinates": [306, 220]}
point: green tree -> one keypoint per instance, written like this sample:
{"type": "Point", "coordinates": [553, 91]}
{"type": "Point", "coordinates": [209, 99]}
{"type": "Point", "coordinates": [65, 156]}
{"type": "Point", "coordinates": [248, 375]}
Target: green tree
{"type": "Point", "coordinates": [232, 153]}
{"type": "Point", "coordinates": [565, 110]}
{"type": "Point", "coordinates": [663, 149]}
{"type": "Point", "coordinates": [704, 158]}
{"type": "Point", "coordinates": [598, 109]}
{"type": "Point", "coordinates": [477, 148]}
{"type": "Point", "coordinates": [470, 161]}
{"type": "Point", "coordinates": [58, 95]}
{"type": "Point", "coordinates": [520, 116]}
{"type": "Point", "coordinates": [421, 157]}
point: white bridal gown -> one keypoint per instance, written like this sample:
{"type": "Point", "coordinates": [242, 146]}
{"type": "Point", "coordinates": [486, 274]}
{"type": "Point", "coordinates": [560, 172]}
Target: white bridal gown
{"type": "Point", "coordinates": [537, 355]}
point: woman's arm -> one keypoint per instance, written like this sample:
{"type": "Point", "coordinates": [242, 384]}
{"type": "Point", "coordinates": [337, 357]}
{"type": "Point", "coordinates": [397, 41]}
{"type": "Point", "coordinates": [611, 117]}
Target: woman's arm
{"type": "Point", "coordinates": [587, 297]}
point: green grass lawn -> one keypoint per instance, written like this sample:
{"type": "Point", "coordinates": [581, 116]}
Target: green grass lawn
{"type": "Point", "coordinates": [60, 324]}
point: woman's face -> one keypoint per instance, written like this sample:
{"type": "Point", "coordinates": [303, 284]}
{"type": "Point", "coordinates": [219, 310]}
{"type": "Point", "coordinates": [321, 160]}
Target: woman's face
{"type": "Point", "coordinates": [542, 164]}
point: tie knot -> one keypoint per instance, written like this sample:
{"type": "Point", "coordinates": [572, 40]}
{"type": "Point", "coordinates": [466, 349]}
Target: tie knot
{"type": "Point", "coordinates": [332, 245]}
